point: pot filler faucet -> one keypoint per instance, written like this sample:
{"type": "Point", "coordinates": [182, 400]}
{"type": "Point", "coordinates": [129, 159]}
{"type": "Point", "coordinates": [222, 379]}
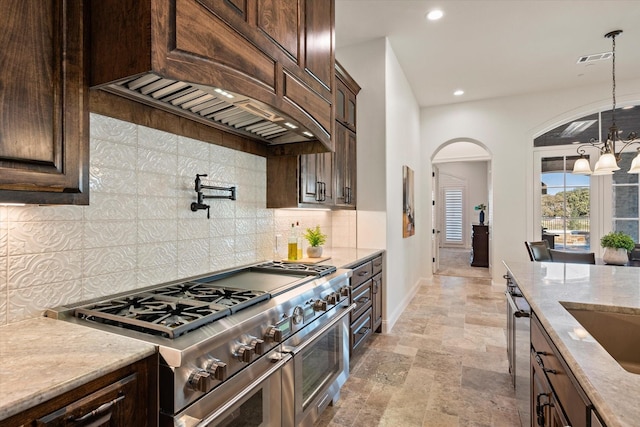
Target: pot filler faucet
{"type": "Point", "coordinates": [195, 206]}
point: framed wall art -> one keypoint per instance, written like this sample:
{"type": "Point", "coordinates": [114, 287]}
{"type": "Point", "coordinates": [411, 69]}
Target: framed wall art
{"type": "Point", "coordinates": [408, 206]}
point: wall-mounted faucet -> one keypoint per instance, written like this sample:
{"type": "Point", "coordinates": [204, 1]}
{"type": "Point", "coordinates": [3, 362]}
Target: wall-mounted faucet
{"type": "Point", "coordinates": [195, 206]}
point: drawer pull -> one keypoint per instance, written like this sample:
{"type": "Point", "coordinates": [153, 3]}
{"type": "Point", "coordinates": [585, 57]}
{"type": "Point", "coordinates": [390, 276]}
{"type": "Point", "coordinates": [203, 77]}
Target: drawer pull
{"type": "Point", "coordinates": [363, 273]}
{"type": "Point", "coordinates": [363, 331]}
{"type": "Point", "coordinates": [541, 363]}
{"type": "Point", "coordinates": [98, 411]}
{"type": "Point", "coordinates": [363, 300]}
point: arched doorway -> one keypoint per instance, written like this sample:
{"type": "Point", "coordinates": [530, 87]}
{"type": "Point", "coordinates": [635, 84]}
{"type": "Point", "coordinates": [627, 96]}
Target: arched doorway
{"type": "Point", "coordinates": [461, 182]}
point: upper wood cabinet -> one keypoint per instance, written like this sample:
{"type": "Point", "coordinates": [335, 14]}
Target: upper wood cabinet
{"type": "Point", "coordinates": [277, 53]}
{"type": "Point", "coordinates": [44, 126]}
{"type": "Point", "coordinates": [327, 179]}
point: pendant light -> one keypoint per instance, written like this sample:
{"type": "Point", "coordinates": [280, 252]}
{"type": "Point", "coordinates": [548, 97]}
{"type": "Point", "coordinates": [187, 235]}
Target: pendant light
{"type": "Point", "coordinates": [609, 158]}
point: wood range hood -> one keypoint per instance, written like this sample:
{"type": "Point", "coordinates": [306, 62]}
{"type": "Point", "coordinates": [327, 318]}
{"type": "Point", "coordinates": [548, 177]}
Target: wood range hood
{"type": "Point", "coordinates": [214, 63]}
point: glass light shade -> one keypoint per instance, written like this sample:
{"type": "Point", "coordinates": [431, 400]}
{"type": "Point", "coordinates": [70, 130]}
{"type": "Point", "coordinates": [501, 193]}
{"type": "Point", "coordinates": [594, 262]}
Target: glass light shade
{"type": "Point", "coordinates": [635, 165]}
{"type": "Point", "coordinates": [607, 162]}
{"type": "Point", "coordinates": [582, 167]}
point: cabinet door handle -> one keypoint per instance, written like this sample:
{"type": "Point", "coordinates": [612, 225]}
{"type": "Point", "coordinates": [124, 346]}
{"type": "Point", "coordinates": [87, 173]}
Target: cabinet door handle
{"type": "Point", "coordinates": [318, 191]}
{"type": "Point", "coordinates": [324, 191]}
{"type": "Point", "coordinates": [540, 408]}
{"type": "Point", "coordinates": [98, 411]}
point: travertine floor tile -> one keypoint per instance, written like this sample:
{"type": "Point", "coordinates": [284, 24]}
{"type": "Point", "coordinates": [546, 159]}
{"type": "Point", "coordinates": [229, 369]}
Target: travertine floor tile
{"type": "Point", "coordinates": [444, 364]}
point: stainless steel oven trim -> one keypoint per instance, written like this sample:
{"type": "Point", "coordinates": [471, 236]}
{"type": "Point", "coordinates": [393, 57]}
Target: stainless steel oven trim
{"type": "Point", "coordinates": [309, 339]}
{"type": "Point", "coordinates": [246, 381]}
{"type": "Point", "coordinates": [292, 397]}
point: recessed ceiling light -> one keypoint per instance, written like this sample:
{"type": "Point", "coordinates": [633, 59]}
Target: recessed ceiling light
{"type": "Point", "coordinates": [434, 15]}
{"type": "Point", "coordinates": [628, 107]}
{"type": "Point", "coordinates": [458, 92]}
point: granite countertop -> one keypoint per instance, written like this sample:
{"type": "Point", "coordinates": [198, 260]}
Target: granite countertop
{"type": "Point", "coordinates": [43, 358]}
{"type": "Point", "coordinates": [348, 257]}
{"type": "Point", "coordinates": [613, 391]}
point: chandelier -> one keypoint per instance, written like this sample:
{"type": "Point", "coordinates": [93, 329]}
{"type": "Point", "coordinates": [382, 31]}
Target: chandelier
{"type": "Point", "coordinates": [609, 156]}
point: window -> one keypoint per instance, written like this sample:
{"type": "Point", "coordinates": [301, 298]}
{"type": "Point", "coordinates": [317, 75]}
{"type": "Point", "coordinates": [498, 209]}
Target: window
{"type": "Point", "coordinates": [453, 198]}
{"type": "Point", "coordinates": [625, 212]}
{"type": "Point", "coordinates": [565, 204]}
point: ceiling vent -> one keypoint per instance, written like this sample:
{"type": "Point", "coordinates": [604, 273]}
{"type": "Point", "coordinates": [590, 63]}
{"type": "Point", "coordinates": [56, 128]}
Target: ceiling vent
{"type": "Point", "coordinates": [594, 57]}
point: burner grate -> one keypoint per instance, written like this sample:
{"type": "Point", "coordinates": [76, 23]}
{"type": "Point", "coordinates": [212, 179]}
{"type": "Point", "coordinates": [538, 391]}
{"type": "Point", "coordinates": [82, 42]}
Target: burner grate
{"type": "Point", "coordinates": [295, 268]}
{"type": "Point", "coordinates": [155, 314]}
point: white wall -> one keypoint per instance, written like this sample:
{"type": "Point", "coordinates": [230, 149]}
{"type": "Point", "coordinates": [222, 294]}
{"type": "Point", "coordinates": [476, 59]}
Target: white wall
{"type": "Point", "coordinates": [388, 138]}
{"type": "Point", "coordinates": [475, 176]}
{"type": "Point", "coordinates": [507, 126]}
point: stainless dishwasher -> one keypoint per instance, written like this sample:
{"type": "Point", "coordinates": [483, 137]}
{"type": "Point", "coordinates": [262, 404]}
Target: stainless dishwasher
{"type": "Point", "coordinates": [518, 347]}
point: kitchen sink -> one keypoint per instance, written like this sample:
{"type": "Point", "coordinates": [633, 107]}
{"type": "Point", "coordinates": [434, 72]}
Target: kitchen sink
{"type": "Point", "coordinates": [617, 329]}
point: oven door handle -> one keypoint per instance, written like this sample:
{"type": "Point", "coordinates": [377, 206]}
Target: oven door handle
{"type": "Point", "coordinates": [517, 311]}
{"type": "Point", "coordinates": [222, 409]}
{"type": "Point", "coordinates": [319, 332]}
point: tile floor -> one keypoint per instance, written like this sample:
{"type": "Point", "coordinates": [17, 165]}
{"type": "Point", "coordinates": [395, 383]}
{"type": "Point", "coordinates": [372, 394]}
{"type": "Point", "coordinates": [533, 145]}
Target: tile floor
{"type": "Point", "coordinates": [443, 364]}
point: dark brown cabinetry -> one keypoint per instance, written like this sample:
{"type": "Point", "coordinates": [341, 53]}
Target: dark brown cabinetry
{"type": "Point", "coordinates": [557, 399]}
{"type": "Point", "coordinates": [279, 53]}
{"type": "Point", "coordinates": [366, 293]}
{"type": "Point", "coordinates": [316, 178]}
{"type": "Point", "coordinates": [126, 397]}
{"type": "Point", "coordinates": [44, 127]}
{"type": "Point", "coordinates": [324, 178]}
{"type": "Point", "coordinates": [480, 246]}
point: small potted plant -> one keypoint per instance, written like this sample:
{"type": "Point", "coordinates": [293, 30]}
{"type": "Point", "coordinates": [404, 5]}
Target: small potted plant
{"type": "Point", "coordinates": [316, 239]}
{"type": "Point", "coordinates": [617, 246]}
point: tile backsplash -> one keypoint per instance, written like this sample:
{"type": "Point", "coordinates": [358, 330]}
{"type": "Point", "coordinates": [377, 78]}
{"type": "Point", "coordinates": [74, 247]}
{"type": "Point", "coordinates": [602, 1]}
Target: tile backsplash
{"type": "Point", "coordinates": [139, 229]}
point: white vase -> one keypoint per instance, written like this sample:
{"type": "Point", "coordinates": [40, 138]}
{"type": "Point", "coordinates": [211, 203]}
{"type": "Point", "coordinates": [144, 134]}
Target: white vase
{"type": "Point", "coordinates": [615, 256]}
{"type": "Point", "coordinates": [314, 251]}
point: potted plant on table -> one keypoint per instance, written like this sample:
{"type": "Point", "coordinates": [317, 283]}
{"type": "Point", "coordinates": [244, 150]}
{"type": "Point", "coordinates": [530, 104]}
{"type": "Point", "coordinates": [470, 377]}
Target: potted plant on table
{"type": "Point", "coordinates": [316, 239]}
{"type": "Point", "coordinates": [617, 246]}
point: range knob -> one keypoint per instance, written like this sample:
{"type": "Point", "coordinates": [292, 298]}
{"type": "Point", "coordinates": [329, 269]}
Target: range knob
{"type": "Point", "coordinates": [258, 346]}
{"type": "Point", "coordinates": [273, 334]}
{"type": "Point", "coordinates": [333, 298]}
{"type": "Point", "coordinates": [243, 353]}
{"type": "Point", "coordinates": [217, 368]}
{"type": "Point", "coordinates": [198, 380]}
{"type": "Point", "coordinates": [344, 291]}
{"type": "Point", "coordinates": [320, 305]}
{"type": "Point", "coordinates": [298, 315]}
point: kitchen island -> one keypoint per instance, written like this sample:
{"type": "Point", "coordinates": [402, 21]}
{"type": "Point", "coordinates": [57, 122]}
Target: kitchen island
{"type": "Point", "coordinates": [613, 391]}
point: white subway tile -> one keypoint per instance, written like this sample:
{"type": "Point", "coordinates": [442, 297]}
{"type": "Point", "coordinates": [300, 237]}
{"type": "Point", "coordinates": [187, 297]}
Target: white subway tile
{"type": "Point", "coordinates": [108, 284]}
{"type": "Point", "coordinates": [36, 237]}
{"type": "Point", "coordinates": [193, 267]}
{"type": "Point", "coordinates": [158, 162]}
{"type": "Point", "coordinates": [190, 147]}
{"type": "Point", "coordinates": [103, 127]}
{"type": "Point", "coordinates": [157, 140]}
{"type": "Point", "coordinates": [99, 234]}
{"type": "Point", "coordinates": [154, 275]}
{"type": "Point", "coordinates": [112, 155]}
{"type": "Point", "coordinates": [29, 302]}
{"type": "Point", "coordinates": [38, 269]}
{"type": "Point", "coordinates": [150, 207]}
{"type": "Point", "coordinates": [109, 260]}
{"type": "Point", "coordinates": [157, 254]}
{"type": "Point", "coordinates": [44, 213]}
{"type": "Point", "coordinates": [220, 227]}
{"type": "Point", "coordinates": [156, 230]}
{"type": "Point", "coordinates": [106, 180]}
{"type": "Point", "coordinates": [107, 206]}
{"type": "Point", "coordinates": [193, 249]}
{"type": "Point", "coordinates": [155, 184]}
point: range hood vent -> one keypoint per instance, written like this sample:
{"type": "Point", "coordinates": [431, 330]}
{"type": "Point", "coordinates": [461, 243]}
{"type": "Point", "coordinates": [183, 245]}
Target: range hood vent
{"type": "Point", "coordinates": [213, 106]}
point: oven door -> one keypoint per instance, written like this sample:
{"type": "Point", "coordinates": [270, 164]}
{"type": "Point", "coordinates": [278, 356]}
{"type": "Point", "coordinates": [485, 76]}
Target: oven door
{"type": "Point", "coordinates": [255, 394]}
{"type": "Point", "coordinates": [319, 368]}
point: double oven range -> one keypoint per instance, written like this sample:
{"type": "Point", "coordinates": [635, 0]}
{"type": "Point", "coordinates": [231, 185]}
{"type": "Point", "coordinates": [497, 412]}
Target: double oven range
{"type": "Point", "coordinates": [266, 343]}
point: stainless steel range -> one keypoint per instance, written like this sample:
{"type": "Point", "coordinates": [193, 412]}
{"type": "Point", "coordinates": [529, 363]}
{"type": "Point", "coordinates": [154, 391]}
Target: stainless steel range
{"type": "Point", "coordinates": [266, 342]}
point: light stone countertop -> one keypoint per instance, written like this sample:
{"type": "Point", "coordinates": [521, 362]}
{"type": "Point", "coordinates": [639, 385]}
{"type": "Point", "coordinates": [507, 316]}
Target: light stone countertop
{"type": "Point", "coordinates": [613, 391]}
{"type": "Point", "coordinates": [43, 358]}
{"type": "Point", "coordinates": [348, 257]}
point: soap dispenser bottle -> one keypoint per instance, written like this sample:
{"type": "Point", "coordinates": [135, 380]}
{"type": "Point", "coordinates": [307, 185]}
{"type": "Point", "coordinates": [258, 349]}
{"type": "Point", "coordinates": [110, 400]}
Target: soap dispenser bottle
{"type": "Point", "coordinates": [292, 254]}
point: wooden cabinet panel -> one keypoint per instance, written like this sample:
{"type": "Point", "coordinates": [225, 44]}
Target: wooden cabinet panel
{"type": "Point", "coordinates": [203, 34]}
{"type": "Point", "coordinates": [279, 20]}
{"type": "Point", "coordinates": [345, 166]}
{"type": "Point", "coordinates": [367, 293]}
{"type": "Point", "coordinates": [317, 106]}
{"type": "Point", "coordinates": [316, 172]}
{"type": "Point", "coordinates": [376, 295]}
{"type": "Point", "coordinates": [44, 125]}
{"type": "Point", "coordinates": [545, 357]}
{"type": "Point", "coordinates": [319, 40]}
